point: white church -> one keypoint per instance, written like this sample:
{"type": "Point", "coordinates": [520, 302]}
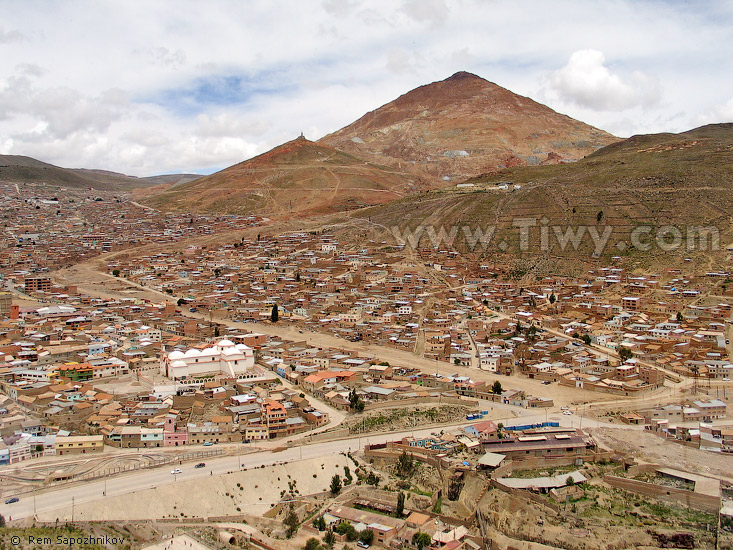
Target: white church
{"type": "Point", "coordinates": [224, 357]}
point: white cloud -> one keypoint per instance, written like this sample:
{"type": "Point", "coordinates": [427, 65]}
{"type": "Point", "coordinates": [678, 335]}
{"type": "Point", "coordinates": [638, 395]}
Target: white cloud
{"type": "Point", "coordinates": [586, 81]}
{"type": "Point", "coordinates": [10, 36]}
{"type": "Point", "coordinates": [434, 12]}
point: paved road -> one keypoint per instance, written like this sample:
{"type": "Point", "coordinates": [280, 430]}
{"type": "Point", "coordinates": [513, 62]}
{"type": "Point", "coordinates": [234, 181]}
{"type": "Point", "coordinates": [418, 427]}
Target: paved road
{"type": "Point", "coordinates": [139, 480]}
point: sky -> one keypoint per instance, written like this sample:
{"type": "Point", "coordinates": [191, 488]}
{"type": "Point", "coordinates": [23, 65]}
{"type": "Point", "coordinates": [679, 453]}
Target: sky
{"type": "Point", "coordinates": [175, 86]}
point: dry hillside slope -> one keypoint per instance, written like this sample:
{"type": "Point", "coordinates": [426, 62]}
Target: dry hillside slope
{"type": "Point", "coordinates": [299, 178]}
{"type": "Point", "coordinates": [668, 183]}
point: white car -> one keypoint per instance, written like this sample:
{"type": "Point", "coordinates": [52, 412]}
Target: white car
{"type": "Point", "coordinates": [176, 471]}
{"type": "Point", "coordinates": [567, 412]}
{"type": "Point", "coordinates": [726, 379]}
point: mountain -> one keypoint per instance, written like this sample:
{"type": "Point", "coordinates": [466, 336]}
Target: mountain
{"type": "Point", "coordinates": [21, 169]}
{"type": "Point", "coordinates": [655, 190]}
{"type": "Point", "coordinates": [299, 177]}
{"type": "Point", "coordinates": [464, 126]}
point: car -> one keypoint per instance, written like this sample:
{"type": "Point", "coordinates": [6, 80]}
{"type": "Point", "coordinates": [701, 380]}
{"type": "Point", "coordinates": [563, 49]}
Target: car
{"type": "Point", "coordinates": [726, 379]}
{"type": "Point", "coordinates": [208, 444]}
{"type": "Point", "coordinates": [176, 471]}
{"type": "Point", "coordinates": [564, 408]}
{"type": "Point", "coordinates": [361, 544]}
{"type": "Point", "coordinates": [547, 382]}
{"type": "Point", "coordinates": [567, 412]}
{"type": "Point", "coordinates": [11, 500]}
{"type": "Point", "coordinates": [200, 465]}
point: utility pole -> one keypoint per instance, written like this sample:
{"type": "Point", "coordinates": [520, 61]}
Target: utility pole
{"type": "Point", "coordinates": [72, 509]}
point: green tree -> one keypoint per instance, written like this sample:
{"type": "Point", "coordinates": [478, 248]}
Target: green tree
{"type": "Point", "coordinates": [329, 539]}
{"type": "Point", "coordinates": [496, 388]}
{"type": "Point", "coordinates": [680, 317]}
{"type": "Point", "coordinates": [625, 353]}
{"type": "Point", "coordinates": [357, 405]}
{"type": "Point", "coordinates": [586, 339]}
{"type": "Point", "coordinates": [319, 523]}
{"type": "Point", "coordinates": [421, 540]}
{"type": "Point", "coordinates": [216, 331]}
{"type": "Point", "coordinates": [405, 464]}
{"type": "Point", "coordinates": [345, 528]}
{"type": "Point", "coordinates": [116, 272]}
{"type": "Point", "coordinates": [312, 544]}
{"type": "Point", "coordinates": [553, 298]}
{"type": "Point", "coordinates": [169, 291]}
{"type": "Point", "coordinates": [274, 315]}
{"type": "Point", "coordinates": [291, 522]}
{"type": "Point", "coordinates": [400, 505]}
{"type": "Point", "coordinates": [335, 484]}
{"type": "Point", "coordinates": [181, 301]}
{"type": "Point", "coordinates": [366, 536]}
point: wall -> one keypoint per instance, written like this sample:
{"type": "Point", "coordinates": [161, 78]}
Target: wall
{"type": "Point", "coordinates": [699, 501]}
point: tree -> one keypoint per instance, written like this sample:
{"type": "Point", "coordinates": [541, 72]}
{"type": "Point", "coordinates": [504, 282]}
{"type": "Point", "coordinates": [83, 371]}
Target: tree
{"type": "Point", "coordinates": [2, 520]}
{"type": "Point", "coordinates": [116, 272]}
{"type": "Point", "coordinates": [400, 505]}
{"type": "Point", "coordinates": [169, 291]}
{"type": "Point", "coordinates": [405, 465]}
{"type": "Point", "coordinates": [312, 544]}
{"type": "Point", "coordinates": [181, 301]}
{"type": "Point", "coordinates": [625, 353]}
{"type": "Point", "coordinates": [421, 540]}
{"type": "Point", "coordinates": [291, 522]}
{"type": "Point", "coordinates": [319, 523]}
{"type": "Point", "coordinates": [329, 539]}
{"type": "Point", "coordinates": [274, 315]}
{"type": "Point", "coordinates": [553, 298]}
{"type": "Point", "coordinates": [357, 405]}
{"type": "Point", "coordinates": [297, 277]}
{"type": "Point", "coordinates": [366, 536]}
{"type": "Point", "coordinates": [335, 484]}
{"type": "Point", "coordinates": [586, 339]}
{"type": "Point", "coordinates": [680, 318]}
{"type": "Point", "coordinates": [345, 528]}
{"type": "Point", "coordinates": [216, 331]}
{"type": "Point", "coordinates": [496, 388]}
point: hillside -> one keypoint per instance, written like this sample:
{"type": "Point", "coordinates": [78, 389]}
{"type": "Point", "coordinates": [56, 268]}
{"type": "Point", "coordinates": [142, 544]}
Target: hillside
{"type": "Point", "coordinates": [464, 126]}
{"type": "Point", "coordinates": [20, 169]}
{"type": "Point", "coordinates": [650, 181]}
{"type": "Point", "coordinates": [299, 177]}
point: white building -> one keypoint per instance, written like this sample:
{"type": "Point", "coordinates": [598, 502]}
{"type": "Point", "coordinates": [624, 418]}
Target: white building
{"type": "Point", "coordinates": [224, 357]}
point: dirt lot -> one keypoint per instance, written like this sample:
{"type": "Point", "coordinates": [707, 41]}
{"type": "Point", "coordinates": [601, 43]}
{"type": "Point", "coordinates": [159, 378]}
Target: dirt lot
{"type": "Point", "coordinates": [648, 447]}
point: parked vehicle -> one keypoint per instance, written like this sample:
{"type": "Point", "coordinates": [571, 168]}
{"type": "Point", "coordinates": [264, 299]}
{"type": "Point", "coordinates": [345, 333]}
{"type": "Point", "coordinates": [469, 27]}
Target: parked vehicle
{"type": "Point", "coordinates": [11, 500]}
{"type": "Point", "coordinates": [208, 444]}
{"type": "Point", "coordinates": [176, 471]}
{"type": "Point", "coordinates": [200, 465]}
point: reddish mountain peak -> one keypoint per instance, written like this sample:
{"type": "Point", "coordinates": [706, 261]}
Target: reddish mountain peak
{"type": "Point", "coordinates": [463, 125]}
{"type": "Point", "coordinates": [462, 76]}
